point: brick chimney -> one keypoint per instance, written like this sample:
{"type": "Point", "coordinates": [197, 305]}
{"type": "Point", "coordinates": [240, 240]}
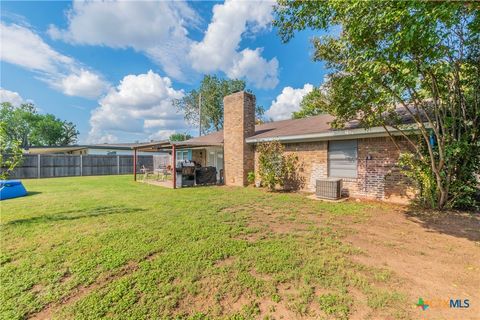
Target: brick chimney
{"type": "Point", "coordinates": [239, 124]}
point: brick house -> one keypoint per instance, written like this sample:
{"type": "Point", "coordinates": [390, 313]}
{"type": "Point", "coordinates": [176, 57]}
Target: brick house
{"type": "Point", "coordinates": [364, 159]}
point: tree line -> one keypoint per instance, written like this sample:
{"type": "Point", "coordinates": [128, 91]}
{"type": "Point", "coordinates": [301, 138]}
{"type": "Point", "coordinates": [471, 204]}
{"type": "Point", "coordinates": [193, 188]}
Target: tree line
{"type": "Point", "coordinates": [30, 128]}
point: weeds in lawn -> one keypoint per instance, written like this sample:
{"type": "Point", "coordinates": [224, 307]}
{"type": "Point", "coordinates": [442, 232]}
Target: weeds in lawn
{"type": "Point", "coordinates": [107, 247]}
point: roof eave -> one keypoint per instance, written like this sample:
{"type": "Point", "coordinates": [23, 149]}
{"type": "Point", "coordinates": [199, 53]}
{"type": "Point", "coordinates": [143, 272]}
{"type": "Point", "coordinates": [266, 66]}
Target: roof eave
{"type": "Point", "coordinates": [196, 144]}
{"type": "Point", "coordinates": [110, 148]}
{"type": "Point", "coordinates": [337, 135]}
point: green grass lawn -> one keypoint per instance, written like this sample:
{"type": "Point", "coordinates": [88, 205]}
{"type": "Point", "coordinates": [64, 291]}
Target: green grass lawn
{"type": "Point", "coordinates": [95, 247]}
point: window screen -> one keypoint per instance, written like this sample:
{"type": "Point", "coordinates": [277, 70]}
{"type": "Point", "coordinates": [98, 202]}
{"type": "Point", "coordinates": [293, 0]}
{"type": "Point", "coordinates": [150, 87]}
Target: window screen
{"type": "Point", "coordinates": [342, 159]}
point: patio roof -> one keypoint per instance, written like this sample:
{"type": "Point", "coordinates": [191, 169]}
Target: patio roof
{"type": "Point", "coordinates": [166, 145]}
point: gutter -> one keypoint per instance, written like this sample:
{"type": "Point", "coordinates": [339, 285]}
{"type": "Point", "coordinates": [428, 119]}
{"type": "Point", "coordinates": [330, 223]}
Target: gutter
{"type": "Point", "coordinates": [338, 134]}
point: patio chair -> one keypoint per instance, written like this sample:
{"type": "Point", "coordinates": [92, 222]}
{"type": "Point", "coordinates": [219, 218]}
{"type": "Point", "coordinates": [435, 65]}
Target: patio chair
{"type": "Point", "coordinates": [163, 173]}
{"type": "Point", "coordinates": [146, 172]}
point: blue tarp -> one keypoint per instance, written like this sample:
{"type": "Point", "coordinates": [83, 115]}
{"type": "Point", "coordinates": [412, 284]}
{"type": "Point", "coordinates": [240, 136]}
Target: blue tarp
{"type": "Point", "coordinates": [11, 189]}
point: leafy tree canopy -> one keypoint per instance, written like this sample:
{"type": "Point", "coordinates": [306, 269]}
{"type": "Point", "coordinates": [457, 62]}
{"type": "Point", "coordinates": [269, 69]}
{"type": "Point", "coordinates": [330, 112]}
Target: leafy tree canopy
{"type": "Point", "coordinates": [313, 104]}
{"type": "Point", "coordinates": [212, 90]}
{"type": "Point", "coordinates": [179, 136]}
{"type": "Point", "coordinates": [26, 125]}
{"type": "Point", "coordinates": [10, 153]}
{"type": "Point", "coordinates": [421, 55]}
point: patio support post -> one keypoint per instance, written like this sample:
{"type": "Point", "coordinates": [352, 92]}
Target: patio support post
{"type": "Point", "coordinates": [38, 166]}
{"type": "Point", "coordinates": [134, 164]}
{"type": "Point", "coordinates": [118, 164]}
{"type": "Point", "coordinates": [174, 167]}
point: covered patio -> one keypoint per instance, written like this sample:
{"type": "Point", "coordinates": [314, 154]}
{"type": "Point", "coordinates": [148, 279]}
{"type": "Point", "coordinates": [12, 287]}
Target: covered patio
{"type": "Point", "coordinates": [195, 162]}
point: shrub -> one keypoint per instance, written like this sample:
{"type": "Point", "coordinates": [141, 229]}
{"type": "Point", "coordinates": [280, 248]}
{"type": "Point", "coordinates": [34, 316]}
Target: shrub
{"type": "Point", "coordinates": [10, 153]}
{"type": "Point", "coordinates": [275, 167]}
{"type": "Point", "coordinates": [461, 180]}
{"type": "Point", "coordinates": [251, 177]}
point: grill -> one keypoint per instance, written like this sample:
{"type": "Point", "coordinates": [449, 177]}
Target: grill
{"type": "Point", "coordinates": [329, 189]}
{"type": "Point", "coordinates": [185, 174]}
{"type": "Point", "coordinates": [190, 174]}
{"type": "Point", "coordinates": [205, 175]}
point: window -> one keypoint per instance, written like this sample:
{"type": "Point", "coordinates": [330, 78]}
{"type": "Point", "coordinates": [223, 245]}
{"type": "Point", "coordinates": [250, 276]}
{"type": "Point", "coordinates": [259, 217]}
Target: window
{"type": "Point", "coordinates": [182, 155]}
{"type": "Point", "coordinates": [342, 159]}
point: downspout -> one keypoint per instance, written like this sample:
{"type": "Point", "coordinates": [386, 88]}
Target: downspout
{"type": "Point", "coordinates": [368, 157]}
{"type": "Point", "coordinates": [223, 166]}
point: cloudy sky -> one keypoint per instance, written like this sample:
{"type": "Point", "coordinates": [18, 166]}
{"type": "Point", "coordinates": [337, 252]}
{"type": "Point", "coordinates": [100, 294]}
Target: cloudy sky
{"type": "Point", "coordinates": [113, 68]}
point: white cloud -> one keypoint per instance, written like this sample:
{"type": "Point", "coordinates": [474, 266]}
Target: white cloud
{"type": "Point", "coordinates": [10, 96]}
{"type": "Point", "coordinates": [157, 29]}
{"type": "Point", "coordinates": [160, 31]}
{"type": "Point", "coordinates": [83, 84]}
{"type": "Point", "coordinates": [25, 48]}
{"type": "Point", "coordinates": [260, 72]}
{"type": "Point", "coordinates": [287, 102]}
{"type": "Point", "coordinates": [219, 49]}
{"type": "Point", "coordinates": [141, 105]}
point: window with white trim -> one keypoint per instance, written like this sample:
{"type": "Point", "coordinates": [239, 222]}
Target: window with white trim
{"type": "Point", "coordinates": [342, 158]}
{"type": "Point", "coordinates": [182, 155]}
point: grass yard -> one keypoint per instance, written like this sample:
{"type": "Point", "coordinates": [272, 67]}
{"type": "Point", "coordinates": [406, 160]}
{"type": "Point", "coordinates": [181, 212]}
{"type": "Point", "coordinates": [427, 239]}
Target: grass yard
{"type": "Point", "coordinates": [107, 247]}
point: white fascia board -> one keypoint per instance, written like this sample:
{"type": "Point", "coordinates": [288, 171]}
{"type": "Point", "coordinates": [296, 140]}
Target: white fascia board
{"type": "Point", "coordinates": [340, 134]}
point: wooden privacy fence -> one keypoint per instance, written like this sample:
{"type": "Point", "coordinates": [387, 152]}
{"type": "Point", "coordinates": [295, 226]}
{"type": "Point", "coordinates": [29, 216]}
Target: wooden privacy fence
{"type": "Point", "coordinates": [59, 165]}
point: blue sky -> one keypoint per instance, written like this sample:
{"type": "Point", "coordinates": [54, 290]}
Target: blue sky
{"type": "Point", "coordinates": [113, 68]}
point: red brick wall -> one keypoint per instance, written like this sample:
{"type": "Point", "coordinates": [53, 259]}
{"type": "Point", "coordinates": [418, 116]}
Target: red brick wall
{"type": "Point", "coordinates": [378, 178]}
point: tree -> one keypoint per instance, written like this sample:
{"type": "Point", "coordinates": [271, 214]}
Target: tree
{"type": "Point", "coordinates": [313, 104]}
{"type": "Point", "coordinates": [17, 122]}
{"type": "Point", "coordinates": [10, 153]}
{"type": "Point", "coordinates": [179, 136]}
{"type": "Point", "coordinates": [70, 133]}
{"type": "Point", "coordinates": [422, 56]}
{"type": "Point", "coordinates": [26, 125]}
{"type": "Point", "coordinates": [212, 90]}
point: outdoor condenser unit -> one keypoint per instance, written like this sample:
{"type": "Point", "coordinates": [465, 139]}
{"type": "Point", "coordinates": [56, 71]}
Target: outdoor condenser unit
{"type": "Point", "coordinates": [329, 189]}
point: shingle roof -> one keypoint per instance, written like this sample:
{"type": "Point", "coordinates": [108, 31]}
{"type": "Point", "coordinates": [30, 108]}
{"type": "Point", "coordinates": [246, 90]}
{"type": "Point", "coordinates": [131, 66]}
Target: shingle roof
{"type": "Point", "coordinates": [212, 139]}
{"type": "Point", "coordinates": [315, 124]}
{"type": "Point", "coordinates": [289, 129]}
{"type": "Point", "coordinates": [295, 127]}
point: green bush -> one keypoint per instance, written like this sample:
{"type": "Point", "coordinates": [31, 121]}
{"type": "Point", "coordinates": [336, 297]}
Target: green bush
{"type": "Point", "coordinates": [460, 181]}
{"type": "Point", "coordinates": [275, 167]}
{"type": "Point", "coordinates": [251, 177]}
{"type": "Point", "coordinates": [11, 154]}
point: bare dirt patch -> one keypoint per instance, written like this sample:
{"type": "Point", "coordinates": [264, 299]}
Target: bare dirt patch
{"type": "Point", "coordinates": [278, 310]}
{"type": "Point", "coordinates": [225, 262]}
{"type": "Point", "coordinates": [436, 256]}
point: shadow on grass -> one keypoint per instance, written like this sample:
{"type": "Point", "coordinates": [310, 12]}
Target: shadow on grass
{"type": "Point", "coordinates": [454, 223]}
{"type": "Point", "coordinates": [65, 216]}
{"type": "Point", "coordinates": [32, 193]}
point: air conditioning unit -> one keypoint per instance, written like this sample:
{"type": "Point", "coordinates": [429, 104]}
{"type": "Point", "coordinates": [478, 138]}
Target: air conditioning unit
{"type": "Point", "coordinates": [329, 189]}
